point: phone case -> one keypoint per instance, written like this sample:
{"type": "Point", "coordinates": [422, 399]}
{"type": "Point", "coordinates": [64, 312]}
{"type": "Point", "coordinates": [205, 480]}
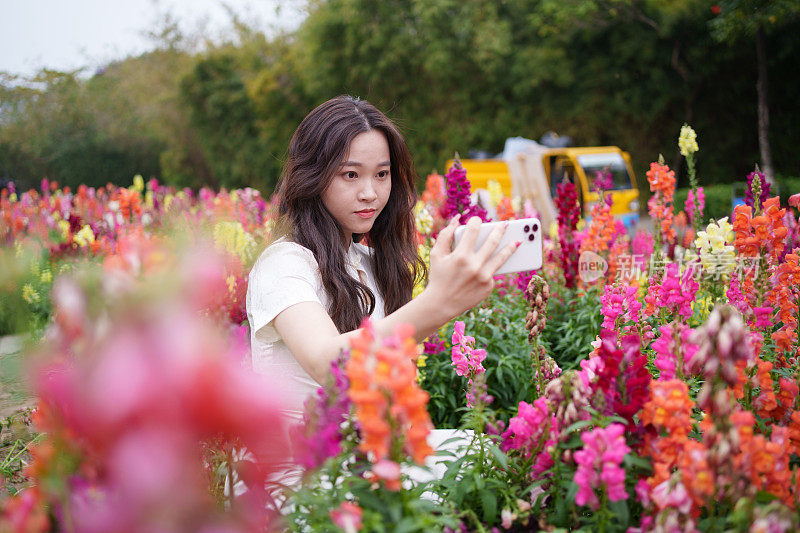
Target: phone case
{"type": "Point", "coordinates": [527, 230]}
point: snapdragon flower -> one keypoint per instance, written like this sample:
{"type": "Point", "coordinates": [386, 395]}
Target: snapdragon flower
{"type": "Point", "coordinates": [687, 141]}
{"type": "Point", "coordinates": [715, 245]}
{"type": "Point", "coordinates": [599, 465]}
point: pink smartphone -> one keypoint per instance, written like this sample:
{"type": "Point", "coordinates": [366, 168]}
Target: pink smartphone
{"type": "Point", "coordinates": [527, 230]}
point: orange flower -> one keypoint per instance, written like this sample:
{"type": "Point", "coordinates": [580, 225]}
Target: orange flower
{"type": "Point", "coordinates": [744, 241]}
{"type": "Point", "coordinates": [776, 230]}
{"type": "Point", "coordinates": [696, 474]}
{"type": "Point", "coordinates": [794, 433]}
{"type": "Point", "coordinates": [505, 211]}
{"type": "Point", "coordinates": [434, 192]}
{"type": "Point", "coordinates": [766, 402]}
{"type": "Point", "coordinates": [389, 405]}
{"type": "Point", "coordinates": [601, 229]}
{"type": "Point", "coordinates": [662, 183]}
{"type": "Point", "coordinates": [786, 281]}
{"type": "Point", "coordinates": [669, 407]}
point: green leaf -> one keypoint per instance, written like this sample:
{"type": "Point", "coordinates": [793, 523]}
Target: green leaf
{"type": "Point", "coordinates": [578, 425]}
{"type": "Point", "coordinates": [489, 504]}
{"type": "Point", "coordinates": [620, 510]}
{"type": "Point", "coordinates": [498, 454]}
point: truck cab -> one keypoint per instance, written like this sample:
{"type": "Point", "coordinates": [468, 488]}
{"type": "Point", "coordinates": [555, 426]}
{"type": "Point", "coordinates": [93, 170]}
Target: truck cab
{"type": "Point", "coordinates": [535, 172]}
{"type": "Point", "coordinates": [581, 166]}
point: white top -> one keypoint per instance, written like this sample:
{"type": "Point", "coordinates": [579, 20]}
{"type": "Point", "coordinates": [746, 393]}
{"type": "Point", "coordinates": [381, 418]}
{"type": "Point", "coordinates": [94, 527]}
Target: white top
{"type": "Point", "coordinates": [284, 275]}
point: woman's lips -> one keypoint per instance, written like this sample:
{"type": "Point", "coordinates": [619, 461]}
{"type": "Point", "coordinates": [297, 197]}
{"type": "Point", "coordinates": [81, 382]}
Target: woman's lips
{"type": "Point", "coordinates": [366, 213]}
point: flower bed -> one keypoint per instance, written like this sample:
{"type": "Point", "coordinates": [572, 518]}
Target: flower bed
{"type": "Point", "coordinates": [661, 396]}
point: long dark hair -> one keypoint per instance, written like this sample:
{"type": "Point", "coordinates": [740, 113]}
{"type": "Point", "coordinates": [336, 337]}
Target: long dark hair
{"type": "Point", "coordinates": [316, 151]}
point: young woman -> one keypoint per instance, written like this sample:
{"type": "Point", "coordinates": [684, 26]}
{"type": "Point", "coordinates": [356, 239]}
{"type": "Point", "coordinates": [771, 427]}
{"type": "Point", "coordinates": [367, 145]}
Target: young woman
{"type": "Point", "coordinates": [348, 176]}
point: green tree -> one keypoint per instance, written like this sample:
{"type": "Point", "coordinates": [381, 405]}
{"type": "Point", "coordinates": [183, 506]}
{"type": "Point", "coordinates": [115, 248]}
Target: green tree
{"type": "Point", "coordinates": [753, 19]}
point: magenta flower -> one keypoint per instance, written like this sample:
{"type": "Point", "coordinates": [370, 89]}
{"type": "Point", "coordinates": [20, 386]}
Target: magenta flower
{"type": "Point", "coordinates": [695, 207]}
{"type": "Point", "coordinates": [675, 293]}
{"type": "Point", "coordinates": [621, 308]}
{"type": "Point", "coordinates": [642, 244]}
{"type": "Point", "coordinates": [749, 197]}
{"type": "Point", "coordinates": [457, 201]}
{"type": "Point", "coordinates": [466, 359]}
{"type": "Point", "coordinates": [599, 465]}
{"type": "Point", "coordinates": [318, 437]}
{"type": "Point", "coordinates": [569, 212]}
{"type": "Point", "coordinates": [763, 317]}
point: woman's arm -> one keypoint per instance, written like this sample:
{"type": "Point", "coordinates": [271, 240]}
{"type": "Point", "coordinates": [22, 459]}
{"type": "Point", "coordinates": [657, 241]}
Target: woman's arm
{"type": "Point", "coordinates": [458, 280]}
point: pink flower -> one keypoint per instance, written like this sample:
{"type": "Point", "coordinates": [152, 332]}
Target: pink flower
{"type": "Point", "coordinates": [533, 431]}
{"type": "Point", "coordinates": [695, 210]}
{"type": "Point", "coordinates": [466, 358]}
{"type": "Point", "coordinates": [642, 489]}
{"type": "Point", "coordinates": [507, 518]}
{"type": "Point", "coordinates": [347, 516]}
{"type": "Point", "coordinates": [672, 494]}
{"type": "Point", "coordinates": [676, 292]}
{"type": "Point", "coordinates": [388, 471]}
{"type": "Point", "coordinates": [599, 465]}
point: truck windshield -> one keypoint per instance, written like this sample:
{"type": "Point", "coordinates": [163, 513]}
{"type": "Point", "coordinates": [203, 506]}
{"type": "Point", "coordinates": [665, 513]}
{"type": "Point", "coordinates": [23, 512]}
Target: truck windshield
{"type": "Point", "coordinates": [609, 163]}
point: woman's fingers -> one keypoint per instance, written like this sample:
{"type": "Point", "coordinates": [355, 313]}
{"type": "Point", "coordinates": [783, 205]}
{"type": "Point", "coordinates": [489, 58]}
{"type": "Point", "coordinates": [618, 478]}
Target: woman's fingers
{"type": "Point", "coordinates": [445, 237]}
{"type": "Point", "coordinates": [494, 263]}
{"type": "Point", "coordinates": [489, 247]}
{"type": "Point", "coordinates": [470, 236]}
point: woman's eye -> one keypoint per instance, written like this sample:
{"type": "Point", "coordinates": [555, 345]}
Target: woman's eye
{"type": "Point", "coordinates": [350, 175]}
{"type": "Point", "coordinates": [383, 174]}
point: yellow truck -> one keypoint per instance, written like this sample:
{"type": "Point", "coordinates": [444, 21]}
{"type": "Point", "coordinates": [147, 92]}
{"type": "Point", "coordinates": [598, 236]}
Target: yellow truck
{"type": "Point", "coordinates": [534, 172]}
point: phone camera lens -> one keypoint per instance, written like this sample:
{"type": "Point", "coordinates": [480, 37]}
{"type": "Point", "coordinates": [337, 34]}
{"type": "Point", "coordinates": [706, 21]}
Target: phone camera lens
{"type": "Point", "coordinates": [536, 227]}
{"type": "Point", "coordinates": [531, 237]}
{"type": "Point", "coordinates": [527, 228]}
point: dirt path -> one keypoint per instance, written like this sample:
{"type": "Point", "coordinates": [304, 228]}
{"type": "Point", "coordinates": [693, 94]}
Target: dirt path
{"type": "Point", "coordinates": [14, 395]}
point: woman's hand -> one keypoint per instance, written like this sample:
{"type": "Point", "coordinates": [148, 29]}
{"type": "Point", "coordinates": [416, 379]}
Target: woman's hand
{"type": "Point", "coordinates": [459, 279]}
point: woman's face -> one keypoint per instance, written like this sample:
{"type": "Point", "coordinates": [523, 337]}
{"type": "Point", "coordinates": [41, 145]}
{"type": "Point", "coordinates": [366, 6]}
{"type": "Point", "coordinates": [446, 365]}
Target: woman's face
{"type": "Point", "coordinates": [361, 186]}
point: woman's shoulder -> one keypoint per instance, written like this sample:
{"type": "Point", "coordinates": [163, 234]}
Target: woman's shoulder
{"type": "Point", "coordinates": [284, 254]}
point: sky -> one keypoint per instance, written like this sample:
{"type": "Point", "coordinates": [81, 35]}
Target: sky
{"type": "Point", "coordinates": [67, 35]}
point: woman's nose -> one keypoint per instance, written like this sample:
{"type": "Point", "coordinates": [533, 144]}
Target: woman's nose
{"type": "Point", "coordinates": [367, 192]}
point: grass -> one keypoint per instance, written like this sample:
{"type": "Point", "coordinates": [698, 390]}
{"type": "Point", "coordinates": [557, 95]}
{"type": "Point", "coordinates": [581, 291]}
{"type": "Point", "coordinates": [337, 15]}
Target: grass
{"type": "Point", "coordinates": [16, 432]}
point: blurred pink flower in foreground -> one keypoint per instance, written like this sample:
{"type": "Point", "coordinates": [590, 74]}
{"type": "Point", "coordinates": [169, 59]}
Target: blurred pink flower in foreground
{"type": "Point", "coordinates": [133, 395]}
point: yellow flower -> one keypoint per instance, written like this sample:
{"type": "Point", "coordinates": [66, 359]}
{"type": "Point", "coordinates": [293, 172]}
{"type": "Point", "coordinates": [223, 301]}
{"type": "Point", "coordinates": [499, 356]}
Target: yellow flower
{"type": "Point", "coordinates": [231, 237]}
{"type": "Point", "coordinates": [419, 283]}
{"type": "Point", "coordinates": [46, 276]}
{"type": "Point", "coordinates": [495, 191]}
{"type": "Point", "coordinates": [553, 230]}
{"type": "Point", "coordinates": [423, 219]}
{"type": "Point", "coordinates": [12, 197]}
{"type": "Point", "coordinates": [516, 204]}
{"type": "Point", "coordinates": [231, 281]}
{"type": "Point", "coordinates": [63, 227]}
{"type": "Point", "coordinates": [148, 199]}
{"type": "Point", "coordinates": [422, 360]}
{"type": "Point", "coordinates": [85, 236]}
{"type": "Point", "coordinates": [167, 201]}
{"type": "Point", "coordinates": [687, 141]}
{"type": "Point", "coordinates": [138, 183]}
{"type": "Point", "coordinates": [29, 294]}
